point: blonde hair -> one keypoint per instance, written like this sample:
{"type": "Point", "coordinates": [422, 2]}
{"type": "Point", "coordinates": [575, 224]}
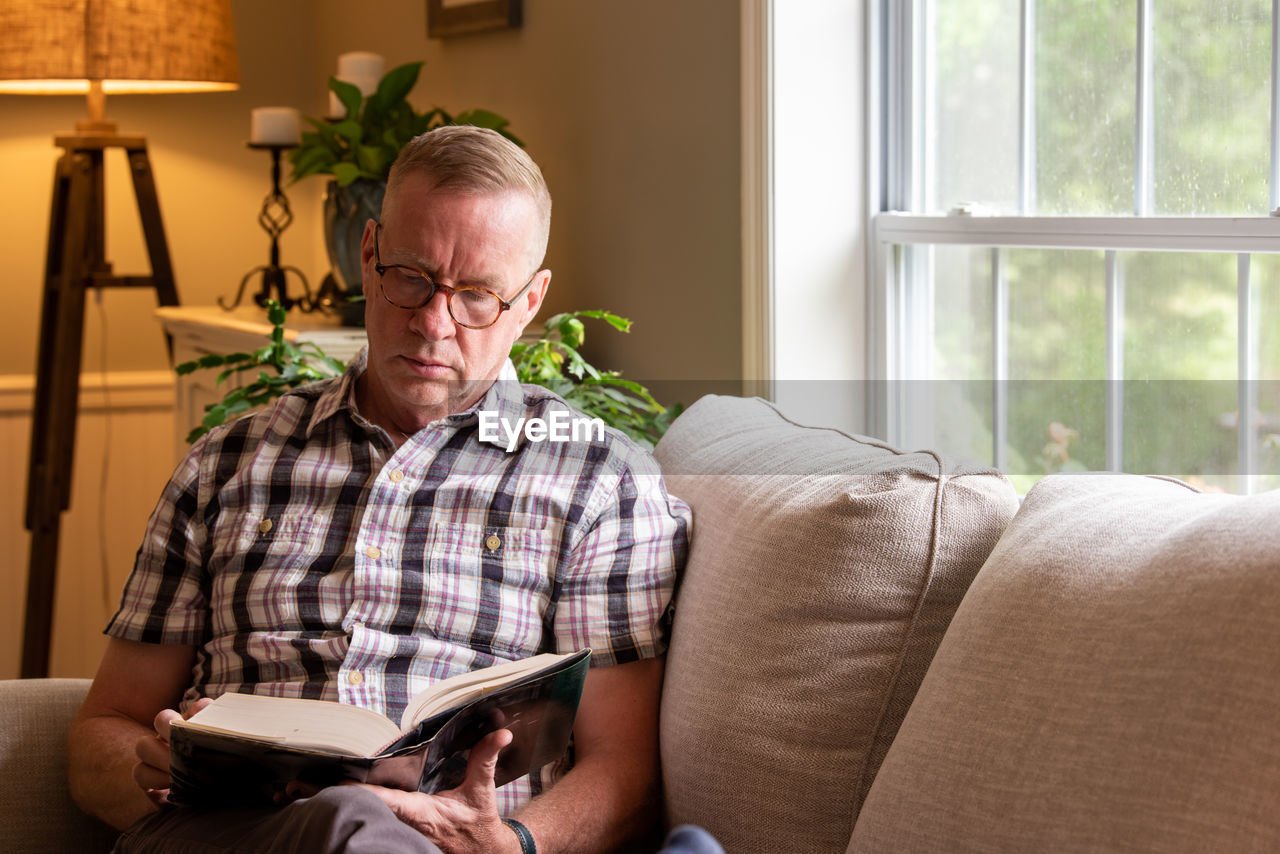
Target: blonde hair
{"type": "Point", "coordinates": [476, 161]}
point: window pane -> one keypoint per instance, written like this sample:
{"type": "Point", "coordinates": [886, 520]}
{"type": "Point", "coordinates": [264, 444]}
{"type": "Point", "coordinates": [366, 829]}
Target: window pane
{"type": "Point", "coordinates": [1265, 275]}
{"type": "Point", "coordinates": [1212, 105]}
{"type": "Point", "coordinates": [1057, 361]}
{"type": "Point", "coordinates": [1085, 96]}
{"type": "Point", "coordinates": [1180, 365]}
{"type": "Point", "coordinates": [975, 130]}
{"type": "Point", "coordinates": [963, 352]}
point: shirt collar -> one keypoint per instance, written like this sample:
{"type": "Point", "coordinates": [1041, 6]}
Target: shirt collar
{"type": "Point", "coordinates": [505, 396]}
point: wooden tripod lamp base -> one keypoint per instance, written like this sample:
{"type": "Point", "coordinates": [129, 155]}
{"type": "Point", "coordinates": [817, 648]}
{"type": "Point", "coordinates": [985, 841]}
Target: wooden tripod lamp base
{"type": "Point", "coordinates": [75, 263]}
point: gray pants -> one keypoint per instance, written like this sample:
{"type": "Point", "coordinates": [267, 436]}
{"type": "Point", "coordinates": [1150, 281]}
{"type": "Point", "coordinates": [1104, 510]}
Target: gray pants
{"type": "Point", "coordinates": [338, 819]}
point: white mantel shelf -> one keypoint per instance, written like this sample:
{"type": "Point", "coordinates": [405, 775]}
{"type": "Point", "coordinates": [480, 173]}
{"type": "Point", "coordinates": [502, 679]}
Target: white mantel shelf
{"type": "Point", "coordinates": [213, 330]}
{"type": "Point", "coordinates": [200, 330]}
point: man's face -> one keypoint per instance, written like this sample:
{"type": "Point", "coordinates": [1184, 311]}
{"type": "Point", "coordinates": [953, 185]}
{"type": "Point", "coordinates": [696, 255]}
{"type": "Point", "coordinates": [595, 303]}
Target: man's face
{"type": "Point", "coordinates": [422, 365]}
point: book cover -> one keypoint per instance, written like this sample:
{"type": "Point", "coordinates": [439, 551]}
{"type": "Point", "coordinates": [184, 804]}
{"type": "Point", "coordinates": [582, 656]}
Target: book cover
{"type": "Point", "coordinates": [219, 765]}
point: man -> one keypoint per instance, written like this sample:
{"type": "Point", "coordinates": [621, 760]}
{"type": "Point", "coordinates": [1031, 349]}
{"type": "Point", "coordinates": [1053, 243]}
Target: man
{"type": "Point", "coordinates": [361, 539]}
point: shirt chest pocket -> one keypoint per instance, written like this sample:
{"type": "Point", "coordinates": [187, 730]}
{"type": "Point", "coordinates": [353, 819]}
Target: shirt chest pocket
{"type": "Point", "coordinates": [488, 587]}
{"type": "Point", "coordinates": [272, 569]}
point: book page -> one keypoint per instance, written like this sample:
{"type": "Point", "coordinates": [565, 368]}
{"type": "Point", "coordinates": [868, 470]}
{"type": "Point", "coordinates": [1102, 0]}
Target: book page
{"type": "Point", "coordinates": [461, 689]}
{"type": "Point", "coordinates": [322, 724]}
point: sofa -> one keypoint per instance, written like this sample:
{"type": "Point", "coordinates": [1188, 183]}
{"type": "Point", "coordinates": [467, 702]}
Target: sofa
{"type": "Point", "coordinates": [877, 650]}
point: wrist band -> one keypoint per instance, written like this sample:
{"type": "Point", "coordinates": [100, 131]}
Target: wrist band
{"type": "Point", "coordinates": [522, 833]}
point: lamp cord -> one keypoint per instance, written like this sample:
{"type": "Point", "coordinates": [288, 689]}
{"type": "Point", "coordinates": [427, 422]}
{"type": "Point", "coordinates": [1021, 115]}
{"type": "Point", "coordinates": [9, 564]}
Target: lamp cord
{"type": "Point", "coordinates": [106, 459]}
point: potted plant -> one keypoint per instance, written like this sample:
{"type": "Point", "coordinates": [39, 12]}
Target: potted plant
{"type": "Point", "coordinates": [552, 361]}
{"type": "Point", "coordinates": [358, 150]}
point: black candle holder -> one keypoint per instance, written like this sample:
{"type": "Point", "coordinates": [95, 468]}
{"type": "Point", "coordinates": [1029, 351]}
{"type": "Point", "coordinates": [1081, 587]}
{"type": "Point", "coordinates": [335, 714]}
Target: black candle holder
{"type": "Point", "coordinates": [274, 218]}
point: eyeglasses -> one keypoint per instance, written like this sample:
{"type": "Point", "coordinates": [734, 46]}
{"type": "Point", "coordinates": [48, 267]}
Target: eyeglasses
{"type": "Point", "coordinates": [411, 289]}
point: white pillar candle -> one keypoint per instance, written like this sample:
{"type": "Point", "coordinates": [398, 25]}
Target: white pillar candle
{"type": "Point", "coordinates": [360, 63]}
{"type": "Point", "coordinates": [367, 84]}
{"type": "Point", "coordinates": [274, 126]}
{"type": "Point", "coordinates": [361, 69]}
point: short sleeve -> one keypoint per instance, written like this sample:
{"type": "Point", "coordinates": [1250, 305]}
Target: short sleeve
{"type": "Point", "coordinates": [615, 593]}
{"type": "Point", "coordinates": [163, 600]}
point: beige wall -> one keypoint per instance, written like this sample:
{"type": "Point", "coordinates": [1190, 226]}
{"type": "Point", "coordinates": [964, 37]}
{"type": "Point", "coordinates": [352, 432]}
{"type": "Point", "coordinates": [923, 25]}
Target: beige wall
{"type": "Point", "coordinates": [632, 109]}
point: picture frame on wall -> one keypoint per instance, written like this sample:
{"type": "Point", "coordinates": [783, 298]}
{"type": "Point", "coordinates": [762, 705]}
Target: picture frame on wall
{"type": "Point", "coordinates": [457, 17]}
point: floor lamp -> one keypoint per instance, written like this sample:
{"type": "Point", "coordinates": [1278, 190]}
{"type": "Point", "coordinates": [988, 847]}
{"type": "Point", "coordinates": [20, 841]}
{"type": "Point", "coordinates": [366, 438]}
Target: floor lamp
{"type": "Point", "coordinates": [95, 47]}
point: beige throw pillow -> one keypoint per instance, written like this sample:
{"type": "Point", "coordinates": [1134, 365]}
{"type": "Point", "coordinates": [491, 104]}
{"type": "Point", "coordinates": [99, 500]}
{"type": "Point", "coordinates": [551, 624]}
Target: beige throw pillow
{"type": "Point", "coordinates": [823, 571]}
{"type": "Point", "coordinates": [1110, 683]}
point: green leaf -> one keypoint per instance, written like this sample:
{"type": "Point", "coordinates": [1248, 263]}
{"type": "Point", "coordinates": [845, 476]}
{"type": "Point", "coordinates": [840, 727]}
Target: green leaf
{"type": "Point", "coordinates": [621, 324]}
{"type": "Point", "coordinates": [481, 119]}
{"type": "Point", "coordinates": [511, 136]}
{"type": "Point", "coordinates": [345, 173]}
{"type": "Point", "coordinates": [372, 159]}
{"type": "Point", "coordinates": [216, 415]}
{"type": "Point", "coordinates": [348, 94]}
{"type": "Point", "coordinates": [572, 332]}
{"type": "Point", "coordinates": [210, 361]}
{"type": "Point", "coordinates": [324, 134]}
{"type": "Point", "coordinates": [349, 130]}
{"type": "Point", "coordinates": [235, 396]}
{"type": "Point", "coordinates": [238, 407]}
{"type": "Point", "coordinates": [394, 87]}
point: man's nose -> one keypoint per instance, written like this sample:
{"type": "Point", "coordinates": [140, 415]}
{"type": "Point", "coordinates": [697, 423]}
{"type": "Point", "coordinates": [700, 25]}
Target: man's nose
{"type": "Point", "coordinates": [433, 319]}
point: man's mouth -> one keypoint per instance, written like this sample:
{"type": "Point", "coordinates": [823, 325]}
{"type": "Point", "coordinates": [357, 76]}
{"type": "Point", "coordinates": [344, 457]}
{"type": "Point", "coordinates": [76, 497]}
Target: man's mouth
{"type": "Point", "coordinates": [429, 368]}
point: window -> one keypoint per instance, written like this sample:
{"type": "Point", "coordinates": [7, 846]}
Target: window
{"type": "Point", "coordinates": [1073, 253]}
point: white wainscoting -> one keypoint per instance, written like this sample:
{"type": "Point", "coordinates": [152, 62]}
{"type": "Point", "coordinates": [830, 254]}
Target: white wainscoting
{"type": "Point", "coordinates": [129, 417]}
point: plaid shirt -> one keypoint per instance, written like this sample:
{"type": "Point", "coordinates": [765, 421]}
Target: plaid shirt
{"type": "Point", "coordinates": [304, 555]}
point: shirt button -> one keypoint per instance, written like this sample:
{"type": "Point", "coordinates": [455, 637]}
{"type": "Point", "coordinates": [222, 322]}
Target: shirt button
{"type": "Point", "coordinates": [355, 677]}
{"type": "Point", "coordinates": [373, 552]}
{"type": "Point", "coordinates": [492, 542]}
{"type": "Point", "coordinates": [396, 476]}
{"type": "Point", "coordinates": [264, 526]}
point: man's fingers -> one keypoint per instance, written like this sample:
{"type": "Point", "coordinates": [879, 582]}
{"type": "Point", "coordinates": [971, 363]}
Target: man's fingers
{"type": "Point", "coordinates": [159, 797]}
{"type": "Point", "coordinates": [162, 720]}
{"type": "Point", "coordinates": [401, 804]}
{"type": "Point", "coordinates": [149, 777]}
{"type": "Point", "coordinates": [482, 765]}
{"type": "Point", "coordinates": [153, 752]}
{"type": "Point", "coordinates": [197, 706]}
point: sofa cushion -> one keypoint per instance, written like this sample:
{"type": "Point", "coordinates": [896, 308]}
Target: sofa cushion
{"type": "Point", "coordinates": [36, 811]}
{"type": "Point", "coordinates": [823, 570]}
{"type": "Point", "coordinates": [1111, 682]}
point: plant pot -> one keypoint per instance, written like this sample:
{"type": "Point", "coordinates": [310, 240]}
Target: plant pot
{"type": "Point", "coordinates": [346, 210]}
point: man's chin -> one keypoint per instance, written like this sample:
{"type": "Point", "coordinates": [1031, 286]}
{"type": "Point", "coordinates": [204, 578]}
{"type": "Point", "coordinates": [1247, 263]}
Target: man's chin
{"type": "Point", "coordinates": [450, 395]}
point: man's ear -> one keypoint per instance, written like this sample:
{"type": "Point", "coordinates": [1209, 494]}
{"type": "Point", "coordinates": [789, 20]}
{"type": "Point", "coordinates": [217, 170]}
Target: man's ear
{"type": "Point", "coordinates": [528, 305]}
{"type": "Point", "coordinates": [367, 256]}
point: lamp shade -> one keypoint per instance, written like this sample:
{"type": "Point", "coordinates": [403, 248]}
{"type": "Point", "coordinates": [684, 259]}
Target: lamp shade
{"type": "Point", "coordinates": [61, 46]}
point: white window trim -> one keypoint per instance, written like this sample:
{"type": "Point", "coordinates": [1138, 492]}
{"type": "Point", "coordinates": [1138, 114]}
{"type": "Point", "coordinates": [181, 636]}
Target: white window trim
{"type": "Point", "coordinates": [758, 358]}
{"type": "Point", "coordinates": [804, 223]}
{"type": "Point", "coordinates": [1159, 234]}
{"type": "Point", "coordinates": [900, 307]}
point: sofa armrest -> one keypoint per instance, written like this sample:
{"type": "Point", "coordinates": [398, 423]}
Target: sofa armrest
{"type": "Point", "coordinates": [36, 811]}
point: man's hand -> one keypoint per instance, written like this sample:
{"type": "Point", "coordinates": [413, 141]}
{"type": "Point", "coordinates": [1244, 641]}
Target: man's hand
{"type": "Point", "coordinates": [461, 820]}
{"type": "Point", "coordinates": [152, 769]}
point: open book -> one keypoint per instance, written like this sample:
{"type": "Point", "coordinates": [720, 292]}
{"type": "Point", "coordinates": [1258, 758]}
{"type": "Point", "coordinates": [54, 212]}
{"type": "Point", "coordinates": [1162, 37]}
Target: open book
{"type": "Point", "coordinates": [245, 748]}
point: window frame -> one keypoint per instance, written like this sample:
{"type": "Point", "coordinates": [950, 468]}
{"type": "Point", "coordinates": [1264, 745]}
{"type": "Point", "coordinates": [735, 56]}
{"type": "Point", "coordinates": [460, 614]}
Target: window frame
{"type": "Point", "coordinates": [901, 282]}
